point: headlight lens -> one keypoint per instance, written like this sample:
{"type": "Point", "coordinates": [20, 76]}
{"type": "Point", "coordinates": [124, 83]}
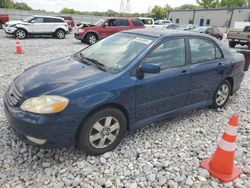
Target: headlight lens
{"type": "Point", "coordinates": [45, 104]}
{"type": "Point", "coordinates": [81, 31]}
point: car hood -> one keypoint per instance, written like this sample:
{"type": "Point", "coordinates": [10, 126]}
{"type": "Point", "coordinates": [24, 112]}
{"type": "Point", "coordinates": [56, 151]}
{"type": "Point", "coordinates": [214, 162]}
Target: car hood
{"type": "Point", "coordinates": [15, 22]}
{"type": "Point", "coordinates": [56, 77]}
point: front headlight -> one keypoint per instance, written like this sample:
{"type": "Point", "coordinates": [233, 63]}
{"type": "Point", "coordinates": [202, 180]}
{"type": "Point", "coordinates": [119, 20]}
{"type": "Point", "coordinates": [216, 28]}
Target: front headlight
{"type": "Point", "coordinates": [45, 104]}
{"type": "Point", "coordinates": [81, 31]}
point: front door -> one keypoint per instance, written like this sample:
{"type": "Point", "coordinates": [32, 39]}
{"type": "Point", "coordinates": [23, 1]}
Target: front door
{"type": "Point", "coordinates": [202, 22]}
{"type": "Point", "coordinates": [37, 25]}
{"type": "Point", "coordinates": [160, 93]}
{"type": "Point", "coordinates": [207, 69]}
{"type": "Point", "coordinates": [109, 28]}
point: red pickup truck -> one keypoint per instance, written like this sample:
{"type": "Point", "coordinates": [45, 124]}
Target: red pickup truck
{"type": "Point", "coordinates": [90, 34]}
{"type": "Point", "coordinates": [3, 19]}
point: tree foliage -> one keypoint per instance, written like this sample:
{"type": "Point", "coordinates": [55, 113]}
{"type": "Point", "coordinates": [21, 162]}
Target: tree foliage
{"type": "Point", "coordinates": [188, 7]}
{"type": "Point", "coordinates": [208, 3]}
{"type": "Point", "coordinates": [11, 4]}
{"type": "Point", "coordinates": [233, 3]}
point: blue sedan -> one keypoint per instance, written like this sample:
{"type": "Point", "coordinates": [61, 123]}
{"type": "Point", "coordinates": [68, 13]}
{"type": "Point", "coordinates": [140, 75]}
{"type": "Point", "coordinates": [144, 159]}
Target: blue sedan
{"type": "Point", "coordinates": [124, 82]}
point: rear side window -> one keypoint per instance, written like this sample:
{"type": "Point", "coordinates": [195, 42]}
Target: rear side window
{"type": "Point", "coordinates": [121, 22]}
{"type": "Point", "coordinates": [137, 22]}
{"type": "Point", "coordinates": [204, 50]}
{"type": "Point", "coordinates": [147, 21]}
{"type": "Point", "coordinates": [169, 54]}
{"type": "Point", "coordinates": [52, 20]}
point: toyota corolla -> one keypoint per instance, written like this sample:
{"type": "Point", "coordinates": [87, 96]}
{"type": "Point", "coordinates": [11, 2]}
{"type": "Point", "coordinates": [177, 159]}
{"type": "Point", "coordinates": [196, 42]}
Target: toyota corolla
{"type": "Point", "coordinates": [124, 82]}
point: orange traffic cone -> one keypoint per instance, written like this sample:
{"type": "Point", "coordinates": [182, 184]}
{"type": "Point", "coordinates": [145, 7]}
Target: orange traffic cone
{"type": "Point", "coordinates": [19, 49]}
{"type": "Point", "coordinates": [221, 164]}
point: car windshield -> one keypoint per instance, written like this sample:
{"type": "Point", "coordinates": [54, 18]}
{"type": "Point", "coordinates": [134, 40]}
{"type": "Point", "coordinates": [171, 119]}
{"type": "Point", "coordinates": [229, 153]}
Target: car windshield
{"type": "Point", "coordinates": [28, 19]}
{"type": "Point", "coordinates": [114, 53]}
{"type": "Point", "coordinates": [100, 22]}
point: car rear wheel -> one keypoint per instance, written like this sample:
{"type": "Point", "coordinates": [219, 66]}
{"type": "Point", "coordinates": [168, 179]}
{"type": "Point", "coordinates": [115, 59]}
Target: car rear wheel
{"type": "Point", "coordinates": [232, 44]}
{"type": "Point", "coordinates": [102, 131]}
{"type": "Point", "coordinates": [222, 94]}
{"type": "Point", "coordinates": [60, 34]}
{"type": "Point", "coordinates": [20, 34]}
{"type": "Point", "coordinates": [91, 38]}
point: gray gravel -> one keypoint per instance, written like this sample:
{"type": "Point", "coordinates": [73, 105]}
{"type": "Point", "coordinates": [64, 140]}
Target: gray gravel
{"type": "Point", "coordinates": [166, 154]}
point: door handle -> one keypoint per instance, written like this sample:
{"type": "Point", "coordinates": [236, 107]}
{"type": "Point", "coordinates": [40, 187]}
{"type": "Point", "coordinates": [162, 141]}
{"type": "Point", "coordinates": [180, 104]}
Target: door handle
{"type": "Point", "coordinates": [219, 64]}
{"type": "Point", "coordinates": [183, 72]}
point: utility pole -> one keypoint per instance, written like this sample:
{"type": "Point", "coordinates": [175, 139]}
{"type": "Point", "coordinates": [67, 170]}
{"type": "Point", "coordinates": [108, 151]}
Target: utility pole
{"type": "Point", "coordinates": [128, 7]}
{"type": "Point", "coordinates": [122, 7]}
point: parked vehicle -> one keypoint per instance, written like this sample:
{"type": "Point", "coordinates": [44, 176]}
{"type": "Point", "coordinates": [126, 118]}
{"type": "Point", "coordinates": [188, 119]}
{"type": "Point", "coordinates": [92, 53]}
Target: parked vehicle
{"type": "Point", "coordinates": [173, 26]}
{"type": "Point", "coordinates": [3, 19]}
{"type": "Point", "coordinates": [148, 22]}
{"type": "Point", "coordinates": [70, 21]}
{"type": "Point", "coordinates": [37, 25]}
{"type": "Point", "coordinates": [90, 34]}
{"type": "Point", "coordinates": [187, 27]}
{"type": "Point", "coordinates": [239, 36]}
{"type": "Point", "coordinates": [210, 31]}
{"type": "Point", "coordinates": [162, 24]}
{"type": "Point", "coordinates": [123, 82]}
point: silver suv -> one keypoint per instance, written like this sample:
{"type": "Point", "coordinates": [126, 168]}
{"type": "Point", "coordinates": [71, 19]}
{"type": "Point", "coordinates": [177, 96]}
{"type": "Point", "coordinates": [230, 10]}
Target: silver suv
{"type": "Point", "coordinates": [37, 25]}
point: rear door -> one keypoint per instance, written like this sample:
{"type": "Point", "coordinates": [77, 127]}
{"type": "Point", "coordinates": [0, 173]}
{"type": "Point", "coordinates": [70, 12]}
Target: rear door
{"type": "Point", "coordinates": [160, 93]}
{"type": "Point", "coordinates": [207, 68]}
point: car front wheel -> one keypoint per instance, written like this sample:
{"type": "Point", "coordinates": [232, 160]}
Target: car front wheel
{"type": "Point", "coordinates": [60, 34]}
{"type": "Point", "coordinates": [102, 131]}
{"type": "Point", "coordinates": [91, 38]}
{"type": "Point", "coordinates": [20, 34]}
{"type": "Point", "coordinates": [222, 94]}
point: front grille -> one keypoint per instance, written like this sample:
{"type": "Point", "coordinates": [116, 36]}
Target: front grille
{"type": "Point", "coordinates": [13, 96]}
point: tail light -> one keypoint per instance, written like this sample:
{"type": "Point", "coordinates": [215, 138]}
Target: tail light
{"type": "Point", "coordinates": [248, 36]}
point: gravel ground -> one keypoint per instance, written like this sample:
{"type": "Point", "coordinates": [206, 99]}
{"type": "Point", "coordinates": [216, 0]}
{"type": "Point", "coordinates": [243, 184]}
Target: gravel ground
{"type": "Point", "coordinates": [166, 154]}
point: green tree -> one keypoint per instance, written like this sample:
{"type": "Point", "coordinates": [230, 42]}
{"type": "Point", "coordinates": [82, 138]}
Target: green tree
{"type": "Point", "coordinates": [6, 4]}
{"type": "Point", "coordinates": [158, 12]}
{"type": "Point", "coordinates": [233, 3]}
{"type": "Point", "coordinates": [22, 6]}
{"type": "Point", "coordinates": [188, 7]}
{"type": "Point", "coordinates": [208, 3]}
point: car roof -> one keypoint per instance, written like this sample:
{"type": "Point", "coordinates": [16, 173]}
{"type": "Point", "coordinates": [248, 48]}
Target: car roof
{"type": "Point", "coordinates": [157, 33]}
{"type": "Point", "coordinates": [47, 16]}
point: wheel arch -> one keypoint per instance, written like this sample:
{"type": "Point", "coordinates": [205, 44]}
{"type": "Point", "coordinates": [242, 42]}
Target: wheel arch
{"type": "Point", "coordinates": [95, 33]}
{"type": "Point", "coordinates": [103, 106]}
{"type": "Point", "coordinates": [231, 81]}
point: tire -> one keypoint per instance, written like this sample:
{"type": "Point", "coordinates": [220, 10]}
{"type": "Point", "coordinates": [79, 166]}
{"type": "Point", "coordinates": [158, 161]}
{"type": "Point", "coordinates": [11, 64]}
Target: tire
{"type": "Point", "coordinates": [60, 34]}
{"type": "Point", "coordinates": [1, 25]}
{"type": "Point", "coordinates": [20, 34]}
{"type": "Point", "coordinates": [95, 137]}
{"type": "Point", "coordinates": [91, 38]}
{"type": "Point", "coordinates": [232, 44]}
{"type": "Point", "coordinates": [221, 94]}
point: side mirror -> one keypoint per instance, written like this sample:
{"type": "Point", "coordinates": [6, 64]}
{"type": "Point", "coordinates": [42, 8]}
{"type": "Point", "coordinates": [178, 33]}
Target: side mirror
{"type": "Point", "coordinates": [150, 68]}
{"type": "Point", "coordinates": [105, 24]}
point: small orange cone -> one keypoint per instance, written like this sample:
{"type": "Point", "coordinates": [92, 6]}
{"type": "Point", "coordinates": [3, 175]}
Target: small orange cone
{"type": "Point", "coordinates": [221, 164]}
{"type": "Point", "coordinates": [19, 49]}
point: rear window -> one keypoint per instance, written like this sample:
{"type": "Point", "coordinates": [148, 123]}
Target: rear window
{"type": "Point", "coordinates": [137, 22]}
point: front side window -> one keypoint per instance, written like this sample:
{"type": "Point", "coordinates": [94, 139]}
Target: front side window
{"type": "Point", "coordinates": [169, 54]}
{"type": "Point", "coordinates": [203, 50]}
{"type": "Point", "coordinates": [137, 22]}
{"type": "Point", "coordinates": [38, 20]}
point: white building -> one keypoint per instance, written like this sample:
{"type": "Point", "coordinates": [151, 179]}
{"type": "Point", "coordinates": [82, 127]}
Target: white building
{"type": "Point", "coordinates": [213, 17]}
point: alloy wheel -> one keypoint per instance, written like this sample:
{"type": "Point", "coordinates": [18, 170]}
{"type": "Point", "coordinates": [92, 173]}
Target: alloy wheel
{"type": "Point", "coordinates": [104, 132]}
{"type": "Point", "coordinates": [20, 34]}
{"type": "Point", "coordinates": [60, 34]}
{"type": "Point", "coordinates": [92, 39]}
{"type": "Point", "coordinates": [222, 94]}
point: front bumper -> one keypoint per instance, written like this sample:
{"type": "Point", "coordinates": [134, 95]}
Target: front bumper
{"type": "Point", "coordinates": [46, 131]}
{"type": "Point", "coordinates": [10, 30]}
{"type": "Point", "coordinates": [79, 36]}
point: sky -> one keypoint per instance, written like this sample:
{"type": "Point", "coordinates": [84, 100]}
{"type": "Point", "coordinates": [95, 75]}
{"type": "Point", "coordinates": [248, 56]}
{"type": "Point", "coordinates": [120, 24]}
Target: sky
{"type": "Point", "coordinates": [140, 6]}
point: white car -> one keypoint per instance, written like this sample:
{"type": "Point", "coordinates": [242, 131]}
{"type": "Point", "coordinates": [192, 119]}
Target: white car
{"type": "Point", "coordinates": [162, 24]}
{"type": "Point", "coordinates": [148, 22]}
{"type": "Point", "coordinates": [37, 25]}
